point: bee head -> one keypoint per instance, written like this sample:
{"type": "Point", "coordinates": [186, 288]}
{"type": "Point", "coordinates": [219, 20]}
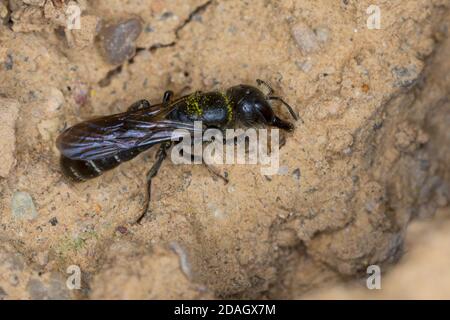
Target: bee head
{"type": "Point", "coordinates": [252, 108]}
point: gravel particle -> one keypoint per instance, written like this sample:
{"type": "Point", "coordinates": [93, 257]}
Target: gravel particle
{"type": "Point", "coordinates": [118, 40]}
{"type": "Point", "coordinates": [166, 15]}
{"type": "Point", "coordinates": [330, 108]}
{"type": "Point", "coordinates": [296, 174]}
{"type": "Point", "coordinates": [55, 100]}
{"type": "Point", "coordinates": [36, 289]}
{"type": "Point", "coordinates": [84, 37]}
{"type": "Point", "coordinates": [53, 221]}
{"type": "Point", "coordinates": [305, 38]}
{"type": "Point", "coordinates": [184, 259]}
{"type": "Point", "coordinates": [322, 34]}
{"type": "Point", "coordinates": [42, 258]}
{"type": "Point", "coordinates": [405, 76]}
{"type": "Point", "coordinates": [55, 289]}
{"type": "Point", "coordinates": [3, 294]}
{"type": "Point", "coordinates": [14, 280]}
{"type": "Point", "coordinates": [305, 65]}
{"type": "Point", "coordinates": [23, 207]}
{"type": "Point", "coordinates": [309, 40]}
{"type": "Point", "coordinates": [9, 62]}
{"type": "Point", "coordinates": [340, 141]}
{"type": "Point", "coordinates": [122, 229]}
{"type": "Point", "coordinates": [81, 93]}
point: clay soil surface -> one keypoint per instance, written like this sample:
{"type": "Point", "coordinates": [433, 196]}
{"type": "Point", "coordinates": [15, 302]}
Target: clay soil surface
{"type": "Point", "coordinates": [363, 179]}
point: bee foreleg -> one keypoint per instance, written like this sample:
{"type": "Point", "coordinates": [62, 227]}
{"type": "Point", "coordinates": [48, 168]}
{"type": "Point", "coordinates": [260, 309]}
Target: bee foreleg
{"type": "Point", "coordinates": [160, 156]}
{"type": "Point", "coordinates": [216, 172]}
{"type": "Point", "coordinates": [167, 96]}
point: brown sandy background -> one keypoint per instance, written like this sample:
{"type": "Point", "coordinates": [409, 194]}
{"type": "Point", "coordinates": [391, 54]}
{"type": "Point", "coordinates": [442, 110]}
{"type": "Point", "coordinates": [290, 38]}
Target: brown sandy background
{"type": "Point", "coordinates": [366, 171]}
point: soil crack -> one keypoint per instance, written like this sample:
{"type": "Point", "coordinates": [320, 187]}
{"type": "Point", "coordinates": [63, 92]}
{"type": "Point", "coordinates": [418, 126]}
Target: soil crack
{"type": "Point", "coordinates": [196, 12]}
{"type": "Point", "coordinates": [154, 47]}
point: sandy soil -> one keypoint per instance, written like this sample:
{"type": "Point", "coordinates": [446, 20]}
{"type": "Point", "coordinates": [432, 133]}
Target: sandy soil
{"type": "Point", "coordinates": [370, 156]}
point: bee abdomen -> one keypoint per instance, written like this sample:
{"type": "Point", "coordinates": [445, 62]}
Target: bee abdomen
{"type": "Point", "coordinates": [82, 170]}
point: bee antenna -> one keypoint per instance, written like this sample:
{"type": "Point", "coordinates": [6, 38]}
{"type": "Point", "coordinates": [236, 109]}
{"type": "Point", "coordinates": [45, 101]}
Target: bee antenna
{"type": "Point", "coordinates": [291, 111]}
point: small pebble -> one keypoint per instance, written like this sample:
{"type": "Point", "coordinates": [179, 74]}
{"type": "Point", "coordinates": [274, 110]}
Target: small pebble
{"type": "Point", "coordinates": [166, 15]}
{"type": "Point", "coordinates": [340, 141]}
{"type": "Point", "coordinates": [54, 289]}
{"type": "Point", "coordinates": [122, 229]}
{"type": "Point", "coordinates": [322, 34]}
{"type": "Point", "coordinates": [42, 258]}
{"type": "Point", "coordinates": [53, 221]}
{"type": "Point", "coordinates": [405, 76]}
{"type": "Point", "coordinates": [296, 174]}
{"type": "Point", "coordinates": [55, 100]}
{"type": "Point", "coordinates": [333, 107]}
{"type": "Point", "coordinates": [36, 290]}
{"type": "Point", "coordinates": [305, 65]}
{"type": "Point", "coordinates": [184, 259]}
{"type": "Point", "coordinates": [305, 38]}
{"type": "Point", "coordinates": [80, 93]}
{"type": "Point", "coordinates": [118, 40]}
{"type": "Point", "coordinates": [23, 207]}
{"type": "Point", "coordinates": [9, 62]}
{"type": "Point", "coordinates": [3, 294]}
{"type": "Point", "coordinates": [14, 280]}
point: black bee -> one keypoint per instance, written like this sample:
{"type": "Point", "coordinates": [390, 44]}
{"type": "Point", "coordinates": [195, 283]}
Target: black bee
{"type": "Point", "coordinates": [94, 146]}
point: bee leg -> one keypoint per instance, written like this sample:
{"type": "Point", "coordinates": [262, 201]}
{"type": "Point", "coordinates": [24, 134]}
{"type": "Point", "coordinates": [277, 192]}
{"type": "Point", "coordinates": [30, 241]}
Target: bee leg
{"type": "Point", "coordinates": [64, 126]}
{"type": "Point", "coordinates": [167, 96]}
{"type": "Point", "coordinates": [138, 105]}
{"type": "Point", "coordinates": [216, 172]}
{"type": "Point", "coordinates": [160, 156]}
{"type": "Point", "coordinates": [291, 111]}
{"type": "Point", "coordinates": [282, 141]}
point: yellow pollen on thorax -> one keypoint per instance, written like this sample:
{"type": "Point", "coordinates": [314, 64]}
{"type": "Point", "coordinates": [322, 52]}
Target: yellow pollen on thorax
{"type": "Point", "coordinates": [193, 105]}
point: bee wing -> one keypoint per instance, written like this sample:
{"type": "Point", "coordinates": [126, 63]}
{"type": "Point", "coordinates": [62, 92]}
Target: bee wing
{"type": "Point", "coordinates": [108, 136]}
